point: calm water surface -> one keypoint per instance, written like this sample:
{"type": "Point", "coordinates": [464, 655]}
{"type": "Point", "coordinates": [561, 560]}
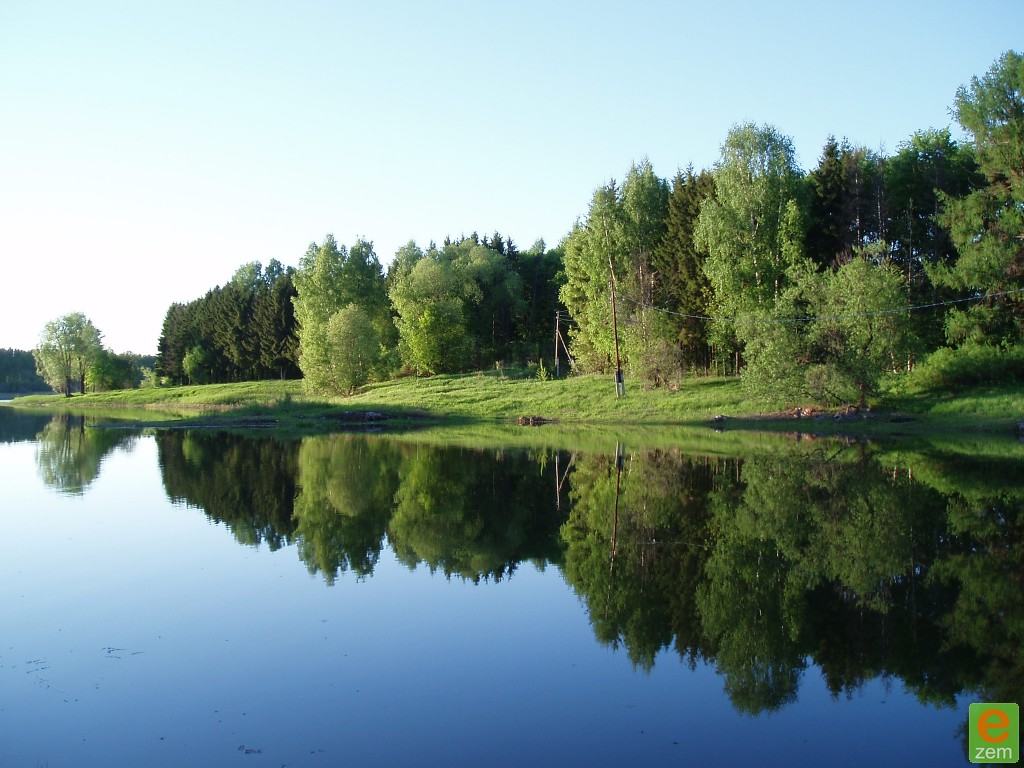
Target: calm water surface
{"type": "Point", "coordinates": [196, 598]}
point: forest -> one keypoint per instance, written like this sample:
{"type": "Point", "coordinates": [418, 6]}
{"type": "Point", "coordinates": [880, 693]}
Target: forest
{"type": "Point", "coordinates": [18, 372]}
{"type": "Point", "coordinates": [816, 284]}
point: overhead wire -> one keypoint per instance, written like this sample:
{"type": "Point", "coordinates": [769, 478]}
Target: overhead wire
{"type": "Point", "coordinates": [841, 316]}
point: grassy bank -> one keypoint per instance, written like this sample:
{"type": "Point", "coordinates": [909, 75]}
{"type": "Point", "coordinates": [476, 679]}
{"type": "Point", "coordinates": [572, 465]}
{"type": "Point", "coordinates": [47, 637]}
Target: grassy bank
{"type": "Point", "coordinates": [467, 397]}
{"type": "Point", "coordinates": [200, 397]}
{"type": "Point", "coordinates": [489, 397]}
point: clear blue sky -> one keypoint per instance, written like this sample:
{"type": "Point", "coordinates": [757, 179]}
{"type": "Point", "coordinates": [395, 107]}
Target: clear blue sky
{"type": "Point", "coordinates": [148, 149]}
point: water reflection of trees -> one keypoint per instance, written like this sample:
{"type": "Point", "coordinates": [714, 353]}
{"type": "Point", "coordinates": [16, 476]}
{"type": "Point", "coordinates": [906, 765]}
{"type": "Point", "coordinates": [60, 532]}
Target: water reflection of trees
{"type": "Point", "coordinates": [19, 426]}
{"type": "Point", "coordinates": [345, 491]}
{"type": "Point", "coordinates": [478, 523]}
{"type": "Point", "coordinates": [867, 565]}
{"type": "Point", "coordinates": [985, 512]}
{"type": "Point", "coordinates": [69, 452]}
{"type": "Point", "coordinates": [475, 514]}
{"type": "Point", "coordinates": [246, 483]}
{"type": "Point", "coordinates": [343, 498]}
{"type": "Point", "coordinates": [761, 564]}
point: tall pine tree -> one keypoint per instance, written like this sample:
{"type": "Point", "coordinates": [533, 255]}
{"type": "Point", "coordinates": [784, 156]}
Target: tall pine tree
{"type": "Point", "coordinates": [682, 285]}
{"type": "Point", "coordinates": [827, 230]}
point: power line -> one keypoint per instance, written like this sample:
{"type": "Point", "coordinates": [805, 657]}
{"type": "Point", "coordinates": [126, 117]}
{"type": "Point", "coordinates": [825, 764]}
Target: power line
{"type": "Point", "coordinates": [812, 318]}
{"type": "Point", "coordinates": [565, 317]}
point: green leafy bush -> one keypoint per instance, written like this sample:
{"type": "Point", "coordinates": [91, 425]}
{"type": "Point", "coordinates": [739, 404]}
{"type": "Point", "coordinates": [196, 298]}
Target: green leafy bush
{"type": "Point", "coordinates": [969, 365]}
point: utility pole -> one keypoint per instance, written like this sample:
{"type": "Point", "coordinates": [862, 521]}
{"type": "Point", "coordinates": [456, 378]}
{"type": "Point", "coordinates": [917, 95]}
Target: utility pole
{"type": "Point", "coordinates": [620, 382]}
{"type": "Point", "coordinates": [557, 334]}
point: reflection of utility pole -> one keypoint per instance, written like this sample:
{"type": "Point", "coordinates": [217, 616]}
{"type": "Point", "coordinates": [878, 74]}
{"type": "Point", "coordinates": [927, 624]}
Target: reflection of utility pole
{"type": "Point", "coordinates": [620, 383]}
{"type": "Point", "coordinates": [558, 486]}
{"type": "Point", "coordinates": [560, 479]}
{"type": "Point", "coordinates": [913, 587]}
{"type": "Point", "coordinates": [615, 517]}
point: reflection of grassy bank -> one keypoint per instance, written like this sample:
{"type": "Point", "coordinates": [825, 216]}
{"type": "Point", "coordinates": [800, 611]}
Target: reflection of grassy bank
{"type": "Point", "coordinates": [489, 398]}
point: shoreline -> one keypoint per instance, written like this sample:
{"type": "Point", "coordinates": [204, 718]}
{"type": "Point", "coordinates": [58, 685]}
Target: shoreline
{"type": "Point", "coordinates": [490, 400]}
{"type": "Point", "coordinates": [319, 417]}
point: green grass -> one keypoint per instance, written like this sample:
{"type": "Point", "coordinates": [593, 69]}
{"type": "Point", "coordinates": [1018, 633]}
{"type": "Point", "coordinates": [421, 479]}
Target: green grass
{"type": "Point", "coordinates": [579, 399]}
{"type": "Point", "coordinates": [199, 397]}
{"type": "Point", "coordinates": [482, 398]}
{"type": "Point", "coordinates": [467, 396]}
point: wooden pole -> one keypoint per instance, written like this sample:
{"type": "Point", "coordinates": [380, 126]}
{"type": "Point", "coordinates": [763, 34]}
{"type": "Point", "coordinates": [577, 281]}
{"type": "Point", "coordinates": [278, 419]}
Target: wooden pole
{"type": "Point", "coordinates": [568, 354]}
{"type": "Point", "coordinates": [620, 383]}
{"type": "Point", "coordinates": [557, 334]}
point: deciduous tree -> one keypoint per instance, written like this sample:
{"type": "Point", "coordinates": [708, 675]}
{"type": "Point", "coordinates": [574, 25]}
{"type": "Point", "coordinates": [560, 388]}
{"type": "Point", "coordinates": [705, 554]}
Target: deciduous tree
{"type": "Point", "coordinates": [751, 229]}
{"type": "Point", "coordinates": [354, 346]}
{"type": "Point", "coordinates": [67, 347]}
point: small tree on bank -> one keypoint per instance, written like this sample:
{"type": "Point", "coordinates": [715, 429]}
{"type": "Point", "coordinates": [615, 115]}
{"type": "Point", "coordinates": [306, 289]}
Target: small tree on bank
{"type": "Point", "coordinates": [354, 346]}
{"type": "Point", "coordinates": [829, 336]}
{"type": "Point", "coordinates": [330, 278]}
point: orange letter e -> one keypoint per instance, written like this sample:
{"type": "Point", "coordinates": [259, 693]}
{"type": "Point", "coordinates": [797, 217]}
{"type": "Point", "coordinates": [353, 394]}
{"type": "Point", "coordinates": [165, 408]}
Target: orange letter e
{"type": "Point", "coordinates": [993, 720]}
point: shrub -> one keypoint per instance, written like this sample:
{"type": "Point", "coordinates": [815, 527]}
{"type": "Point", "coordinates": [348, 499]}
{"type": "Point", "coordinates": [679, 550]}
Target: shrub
{"type": "Point", "coordinates": [970, 365]}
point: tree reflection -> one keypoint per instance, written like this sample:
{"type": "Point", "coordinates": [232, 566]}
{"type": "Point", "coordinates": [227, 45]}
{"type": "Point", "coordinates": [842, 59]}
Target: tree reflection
{"type": "Point", "coordinates": [466, 513]}
{"type": "Point", "coordinates": [757, 565]}
{"type": "Point", "coordinates": [20, 426]}
{"type": "Point", "coordinates": [475, 514]}
{"type": "Point", "coordinates": [867, 564]}
{"type": "Point", "coordinates": [247, 483]}
{"type": "Point", "coordinates": [345, 490]}
{"type": "Point", "coordinates": [985, 570]}
{"type": "Point", "coordinates": [69, 452]}
{"type": "Point", "coordinates": [637, 570]}
{"type": "Point", "coordinates": [343, 498]}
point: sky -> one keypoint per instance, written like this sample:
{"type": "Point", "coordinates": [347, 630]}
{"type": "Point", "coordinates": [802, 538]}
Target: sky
{"type": "Point", "coordinates": [149, 149]}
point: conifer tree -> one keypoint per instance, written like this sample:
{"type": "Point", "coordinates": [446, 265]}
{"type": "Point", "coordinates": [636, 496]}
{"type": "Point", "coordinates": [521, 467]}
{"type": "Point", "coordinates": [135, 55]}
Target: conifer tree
{"type": "Point", "coordinates": [987, 226]}
{"type": "Point", "coordinates": [827, 231]}
{"type": "Point", "coordinates": [682, 285]}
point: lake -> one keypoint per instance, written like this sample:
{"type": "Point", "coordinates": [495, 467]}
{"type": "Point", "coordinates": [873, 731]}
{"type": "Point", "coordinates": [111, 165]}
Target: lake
{"type": "Point", "coordinates": [194, 598]}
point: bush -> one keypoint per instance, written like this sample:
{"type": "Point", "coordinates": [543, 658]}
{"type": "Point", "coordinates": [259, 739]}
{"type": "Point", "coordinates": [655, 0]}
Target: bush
{"type": "Point", "coordinates": [542, 372]}
{"type": "Point", "coordinates": [652, 353]}
{"type": "Point", "coordinates": [353, 345]}
{"type": "Point", "coordinates": [970, 365]}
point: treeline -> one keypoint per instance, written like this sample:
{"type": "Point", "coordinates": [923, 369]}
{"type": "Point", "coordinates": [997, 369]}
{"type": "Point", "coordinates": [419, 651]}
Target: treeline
{"type": "Point", "coordinates": [703, 261]}
{"type": "Point", "coordinates": [18, 372]}
{"type": "Point", "coordinates": [468, 304]}
{"type": "Point", "coordinates": [242, 330]}
{"type": "Point", "coordinates": [483, 300]}
{"type": "Point", "coordinates": [111, 370]}
{"type": "Point", "coordinates": [340, 320]}
{"type": "Point", "coordinates": [811, 284]}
